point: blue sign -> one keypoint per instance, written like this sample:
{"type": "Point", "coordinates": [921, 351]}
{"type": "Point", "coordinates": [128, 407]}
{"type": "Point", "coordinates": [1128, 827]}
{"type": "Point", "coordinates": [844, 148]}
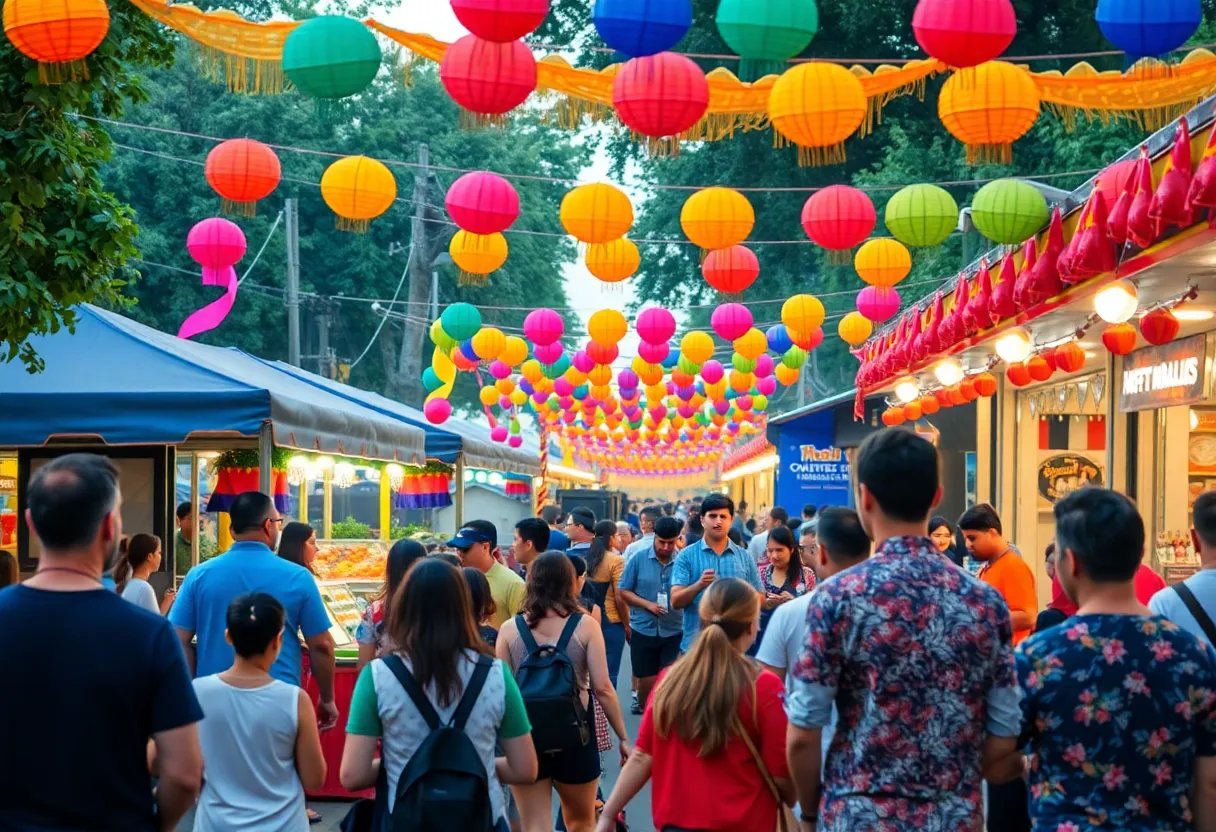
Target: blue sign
{"type": "Point", "coordinates": [811, 469]}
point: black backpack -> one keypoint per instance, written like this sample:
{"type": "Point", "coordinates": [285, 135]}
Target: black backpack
{"type": "Point", "coordinates": [444, 786]}
{"type": "Point", "coordinates": [550, 693]}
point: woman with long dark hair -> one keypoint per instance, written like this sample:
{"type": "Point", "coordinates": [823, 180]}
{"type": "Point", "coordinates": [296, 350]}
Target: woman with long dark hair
{"type": "Point", "coordinates": [942, 535]}
{"type": "Point", "coordinates": [550, 605]}
{"type": "Point", "coordinates": [783, 577]}
{"type": "Point", "coordinates": [139, 557]}
{"type": "Point", "coordinates": [436, 642]}
{"type": "Point", "coordinates": [605, 566]}
{"type": "Point", "coordinates": [483, 603]}
{"type": "Point", "coordinates": [298, 544]}
{"type": "Point", "coordinates": [370, 634]}
{"type": "Point", "coordinates": [715, 719]}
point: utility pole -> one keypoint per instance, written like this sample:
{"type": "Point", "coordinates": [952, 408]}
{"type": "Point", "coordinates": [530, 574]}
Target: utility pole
{"type": "Point", "coordinates": [292, 297]}
{"type": "Point", "coordinates": [421, 280]}
{"type": "Point", "coordinates": [324, 365]}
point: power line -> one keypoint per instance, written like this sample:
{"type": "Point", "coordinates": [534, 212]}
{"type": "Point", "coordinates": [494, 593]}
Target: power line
{"type": "Point", "coordinates": [404, 273]}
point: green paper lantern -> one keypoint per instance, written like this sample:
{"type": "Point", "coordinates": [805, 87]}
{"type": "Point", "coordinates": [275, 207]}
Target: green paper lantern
{"type": "Point", "coordinates": [558, 368]}
{"type": "Point", "coordinates": [440, 338]}
{"type": "Point", "coordinates": [759, 402]}
{"type": "Point", "coordinates": [1009, 211]}
{"type": "Point", "coordinates": [766, 33]}
{"type": "Point", "coordinates": [794, 358]}
{"type": "Point", "coordinates": [922, 215]}
{"type": "Point", "coordinates": [331, 57]}
{"type": "Point", "coordinates": [742, 364]}
{"type": "Point", "coordinates": [430, 380]}
{"type": "Point", "coordinates": [690, 367]}
{"type": "Point", "coordinates": [460, 321]}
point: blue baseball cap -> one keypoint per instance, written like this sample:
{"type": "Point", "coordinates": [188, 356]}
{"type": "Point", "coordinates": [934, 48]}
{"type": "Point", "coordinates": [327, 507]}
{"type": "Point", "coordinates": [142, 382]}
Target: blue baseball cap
{"type": "Point", "coordinates": [468, 536]}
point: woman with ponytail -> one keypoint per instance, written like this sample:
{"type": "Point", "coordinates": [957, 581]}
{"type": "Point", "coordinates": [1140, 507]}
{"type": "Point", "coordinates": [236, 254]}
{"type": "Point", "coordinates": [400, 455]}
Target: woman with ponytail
{"type": "Point", "coordinates": [712, 740]}
{"type": "Point", "coordinates": [139, 557]}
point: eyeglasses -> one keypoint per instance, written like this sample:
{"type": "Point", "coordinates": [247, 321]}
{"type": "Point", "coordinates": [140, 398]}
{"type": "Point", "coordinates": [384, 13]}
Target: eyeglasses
{"type": "Point", "coordinates": [278, 520]}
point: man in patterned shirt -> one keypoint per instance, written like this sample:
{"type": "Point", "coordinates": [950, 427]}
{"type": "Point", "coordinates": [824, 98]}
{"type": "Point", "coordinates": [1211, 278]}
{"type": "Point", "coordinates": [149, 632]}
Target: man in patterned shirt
{"type": "Point", "coordinates": [917, 656]}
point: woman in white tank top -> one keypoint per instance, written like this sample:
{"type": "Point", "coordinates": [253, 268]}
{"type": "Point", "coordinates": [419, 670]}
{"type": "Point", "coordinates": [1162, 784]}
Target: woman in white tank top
{"type": "Point", "coordinates": [261, 746]}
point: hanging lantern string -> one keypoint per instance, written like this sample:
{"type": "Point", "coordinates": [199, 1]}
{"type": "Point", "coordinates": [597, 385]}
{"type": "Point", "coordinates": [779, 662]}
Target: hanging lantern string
{"type": "Point", "coordinates": [1191, 292]}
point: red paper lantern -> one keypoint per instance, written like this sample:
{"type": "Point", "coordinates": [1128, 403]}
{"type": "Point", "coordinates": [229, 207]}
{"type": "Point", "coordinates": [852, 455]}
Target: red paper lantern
{"type": "Point", "coordinates": [1018, 375]}
{"type": "Point", "coordinates": [966, 389]}
{"type": "Point", "coordinates": [943, 397]}
{"type": "Point", "coordinates": [242, 171]}
{"type": "Point", "coordinates": [985, 384]}
{"type": "Point", "coordinates": [963, 33]}
{"type": "Point", "coordinates": [501, 21]}
{"type": "Point", "coordinates": [956, 395]}
{"type": "Point", "coordinates": [893, 416]}
{"type": "Point", "coordinates": [1069, 357]}
{"type": "Point", "coordinates": [912, 411]}
{"type": "Point", "coordinates": [1038, 368]}
{"type": "Point", "coordinates": [838, 217]}
{"type": "Point", "coordinates": [1119, 339]}
{"type": "Point", "coordinates": [660, 95]}
{"type": "Point", "coordinates": [1159, 327]}
{"type": "Point", "coordinates": [482, 203]}
{"type": "Point", "coordinates": [488, 79]}
{"type": "Point", "coordinates": [731, 270]}
{"type": "Point", "coordinates": [929, 405]}
{"type": "Point", "coordinates": [602, 353]}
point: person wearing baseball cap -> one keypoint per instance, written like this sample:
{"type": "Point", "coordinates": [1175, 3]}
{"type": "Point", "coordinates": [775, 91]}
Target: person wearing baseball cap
{"type": "Point", "coordinates": [477, 543]}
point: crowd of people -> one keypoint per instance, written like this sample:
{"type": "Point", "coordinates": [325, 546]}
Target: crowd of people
{"type": "Point", "coordinates": [837, 670]}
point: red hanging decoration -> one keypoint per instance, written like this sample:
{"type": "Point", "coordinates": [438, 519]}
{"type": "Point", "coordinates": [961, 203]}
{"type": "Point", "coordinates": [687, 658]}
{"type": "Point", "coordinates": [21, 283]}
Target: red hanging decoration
{"type": "Point", "coordinates": [1018, 375]}
{"type": "Point", "coordinates": [487, 79]}
{"type": "Point", "coordinates": [1114, 179]}
{"type": "Point", "coordinates": [934, 341]}
{"type": "Point", "coordinates": [1159, 327]}
{"type": "Point", "coordinates": [1038, 368]}
{"type": "Point", "coordinates": [242, 171]}
{"type": "Point", "coordinates": [1003, 292]}
{"type": "Point", "coordinates": [1023, 286]}
{"type": "Point", "coordinates": [1044, 280]}
{"type": "Point", "coordinates": [1094, 253]}
{"type": "Point", "coordinates": [981, 303]}
{"type": "Point", "coordinates": [1170, 205]}
{"type": "Point", "coordinates": [1119, 339]}
{"type": "Point", "coordinates": [985, 384]}
{"type": "Point", "coordinates": [731, 270]}
{"type": "Point", "coordinates": [1203, 183]}
{"type": "Point", "coordinates": [1141, 229]}
{"type": "Point", "coordinates": [1069, 357]}
{"type": "Point", "coordinates": [501, 21]}
{"type": "Point", "coordinates": [838, 217]}
{"type": "Point", "coordinates": [964, 33]}
{"type": "Point", "coordinates": [660, 96]}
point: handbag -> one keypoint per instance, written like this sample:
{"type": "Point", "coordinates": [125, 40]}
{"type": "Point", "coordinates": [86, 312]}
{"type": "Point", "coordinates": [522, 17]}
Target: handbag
{"type": "Point", "coordinates": [603, 739]}
{"type": "Point", "coordinates": [786, 822]}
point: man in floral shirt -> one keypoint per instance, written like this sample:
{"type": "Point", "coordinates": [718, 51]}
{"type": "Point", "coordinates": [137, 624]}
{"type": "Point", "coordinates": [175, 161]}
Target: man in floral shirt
{"type": "Point", "coordinates": [1120, 707]}
{"type": "Point", "coordinates": [916, 655]}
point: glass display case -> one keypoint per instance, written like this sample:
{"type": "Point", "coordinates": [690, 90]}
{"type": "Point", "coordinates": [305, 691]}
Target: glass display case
{"type": "Point", "coordinates": [351, 560]}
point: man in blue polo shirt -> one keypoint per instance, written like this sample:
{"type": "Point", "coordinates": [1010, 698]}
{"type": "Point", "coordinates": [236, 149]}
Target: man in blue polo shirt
{"type": "Point", "coordinates": [252, 566]}
{"type": "Point", "coordinates": [703, 562]}
{"type": "Point", "coordinates": [646, 587]}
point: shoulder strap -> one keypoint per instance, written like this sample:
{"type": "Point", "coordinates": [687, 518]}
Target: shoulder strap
{"type": "Point", "coordinates": [568, 631]}
{"type": "Point", "coordinates": [1196, 610]}
{"type": "Point", "coordinates": [469, 699]}
{"type": "Point", "coordinates": [525, 634]}
{"type": "Point", "coordinates": [751, 747]}
{"type": "Point", "coordinates": [412, 688]}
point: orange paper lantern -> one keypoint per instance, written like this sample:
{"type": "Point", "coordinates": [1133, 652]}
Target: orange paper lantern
{"type": "Point", "coordinates": [58, 34]}
{"type": "Point", "coordinates": [1119, 339]}
{"type": "Point", "coordinates": [242, 171]}
{"type": "Point", "coordinates": [893, 416]}
{"type": "Point", "coordinates": [817, 106]}
{"type": "Point", "coordinates": [985, 384]}
{"type": "Point", "coordinates": [1069, 357]}
{"type": "Point", "coordinates": [929, 404]}
{"type": "Point", "coordinates": [989, 109]}
{"type": "Point", "coordinates": [966, 389]}
{"type": "Point", "coordinates": [912, 411]}
{"type": "Point", "coordinates": [1018, 375]}
{"type": "Point", "coordinates": [1038, 368]}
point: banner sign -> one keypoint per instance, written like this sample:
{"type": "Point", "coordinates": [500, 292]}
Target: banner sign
{"type": "Point", "coordinates": [812, 469]}
{"type": "Point", "coordinates": [1062, 474]}
{"type": "Point", "coordinates": [1164, 376]}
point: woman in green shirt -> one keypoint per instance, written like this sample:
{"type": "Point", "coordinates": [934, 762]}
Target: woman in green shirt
{"type": "Point", "coordinates": [432, 622]}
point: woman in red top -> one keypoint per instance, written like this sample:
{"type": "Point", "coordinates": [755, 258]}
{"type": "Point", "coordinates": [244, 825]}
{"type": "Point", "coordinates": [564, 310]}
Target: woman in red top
{"type": "Point", "coordinates": [690, 746]}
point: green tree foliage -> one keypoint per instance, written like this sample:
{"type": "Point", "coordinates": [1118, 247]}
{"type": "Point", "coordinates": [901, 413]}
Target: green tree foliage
{"type": "Point", "coordinates": [63, 239]}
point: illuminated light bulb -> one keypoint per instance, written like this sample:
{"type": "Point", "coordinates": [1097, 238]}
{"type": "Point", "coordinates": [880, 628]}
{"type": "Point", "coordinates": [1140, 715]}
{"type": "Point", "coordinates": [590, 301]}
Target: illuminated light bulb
{"type": "Point", "coordinates": [1117, 303]}
{"type": "Point", "coordinates": [949, 372]}
{"type": "Point", "coordinates": [325, 463]}
{"type": "Point", "coordinates": [1014, 346]}
{"type": "Point", "coordinates": [907, 390]}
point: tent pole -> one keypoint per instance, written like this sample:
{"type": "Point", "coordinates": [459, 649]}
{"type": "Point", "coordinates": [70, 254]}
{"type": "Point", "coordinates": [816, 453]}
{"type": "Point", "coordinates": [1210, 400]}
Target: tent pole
{"type": "Point", "coordinates": [194, 542]}
{"type": "Point", "coordinates": [266, 459]}
{"type": "Point", "coordinates": [458, 500]}
{"type": "Point", "coordinates": [386, 505]}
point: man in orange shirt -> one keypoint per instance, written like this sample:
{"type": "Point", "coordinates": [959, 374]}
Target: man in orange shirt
{"type": "Point", "coordinates": [1003, 569]}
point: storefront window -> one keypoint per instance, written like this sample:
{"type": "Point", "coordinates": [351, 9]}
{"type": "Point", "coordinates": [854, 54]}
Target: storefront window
{"type": "Point", "coordinates": [8, 503]}
{"type": "Point", "coordinates": [208, 523]}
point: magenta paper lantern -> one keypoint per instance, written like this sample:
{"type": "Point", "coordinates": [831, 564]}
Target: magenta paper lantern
{"type": "Point", "coordinates": [722, 407]}
{"type": "Point", "coordinates": [744, 402]}
{"type": "Point", "coordinates": [216, 243]}
{"type": "Point", "coordinates": [515, 441]}
{"type": "Point", "coordinates": [499, 433]}
{"type": "Point", "coordinates": [563, 387]}
{"type": "Point", "coordinates": [712, 371]}
{"type": "Point", "coordinates": [765, 366]}
{"type": "Point", "coordinates": [540, 398]}
{"type": "Point", "coordinates": [767, 385]}
{"type": "Point", "coordinates": [731, 321]}
{"type": "Point", "coordinates": [627, 380]}
{"type": "Point", "coordinates": [437, 411]}
{"type": "Point", "coordinates": [499, 370]}
{"type": "Point", "coordinates": [482, 203]}
{"type": "Point", "coordinates": [656, 326]}
{"type": "Point", "coordinates": [583, 362]}
{"type": "Point", "coordinates": [654, 352]}
{"type": "Point", "coordinates": [549, 353]}
{"type": "Point", "coordinates": [543, 327]}
{"type": "Point", "coordinates": [878, 303]}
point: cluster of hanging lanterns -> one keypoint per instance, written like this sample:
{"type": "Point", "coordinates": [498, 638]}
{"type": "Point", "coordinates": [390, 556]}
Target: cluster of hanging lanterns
{"type": "Point", "coordinates": [599, 216]}
{"type": "Point", "coordinates": [491, 71]}
{"type": "Point", "coordinates": [483, 205]}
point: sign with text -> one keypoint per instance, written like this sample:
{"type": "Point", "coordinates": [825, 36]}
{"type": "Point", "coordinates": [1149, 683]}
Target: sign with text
{"type": "Point", "coordinates": [1164, 376]}
{"type": "Point", "coordinates": [812, 469]}
{"type": "Point", "coordinates": [1062, 474]}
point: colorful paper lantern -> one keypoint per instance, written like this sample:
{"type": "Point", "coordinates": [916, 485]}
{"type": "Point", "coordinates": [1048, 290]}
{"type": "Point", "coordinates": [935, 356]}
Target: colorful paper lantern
{"type": "Point", "coordinates": [543, 327]}
{"type": "Point", "coordinates": [989, 109]}
{"type": "Point", "coordinates": [1069, 357]}
{"type": "Point", "coordinates": [488, 79]}
{"type": "Point", "coordinates": [854, 329]}
{"type": "Point", "coordinates": [808, 340]}
{"type": "Point", "coordinates": [500, 20]}
{"type": "Point", "coordinates": [985, 384]}
{"type": "Point", "coordinates": [786, 375]}
{"type": "Point", "coordinates": [1009, 211]}
{"type": "Point", "coordinates": [731, 270]}
{"type": "Point", "coordinates": [1038, 368]}
{"type": "Point", "coordinates": [802, 313]}
{"type": "Point", "coordinates": [331, 57]}
{"type": "Point", "coordinates": [964, 33]}
{"type": "Point", "coordinates": [696, 346]}
{"type": "Point", "coordinates": [1148, 28]}
{"type": "Point", "coordinates": [477, 256]}
{"type": "Point", "coordinates": [656, 325]}
{"type": "Point", "coordinates": [878, 303]}
{"type": "Point", "coordinates": [614, 261]}
{"type": "Point", "coordinates": [922, 215]}
{"type": "Point", "coordinates": [216, 243]}
{"type": "Point", "coordinates": [717, 218]}
{"type": "Point", "coordinates": [358, 190]}
{"type": "Point", "coordinates": [514, 351]}
{"type": "Point", "coordinates": [607, 327]}
{"type": "Point", "coordinates": [660, 96]}
{"type": "Point", "coordinates": [751, 344]}
{"type": "Point", "coordinates": [883, 262]}
{"type": "Point", "coordinates": [766, 33]}
{"type": "Point", "coordinates": [437, 411]}
{"type": "Point", "coordinates": [482, 203]}
{"type": "Point", "coordinates": [1018, 375]}
{"type": "Point", "coordinates": [642, 27]}
{"type": "Point", "coordinates": [461, 321]}
{"type": "Point", "coordinates": [779, 339]}
{"type": "Point", "coordinates": [816, 106]}
{"type": "Point", "coordinates": [242, 171]}
{"type": "Point", "coordinates": [596, 213]}
{"type": "Point", "coordinates": [893, 417]}
{"type": "Point", "coordinates": [1119, 339]}
{"type": "Point", "coordinates": [58, 34]}
{"type": "Point", "coordinates": [838, 217]}
{"type": "Point", "coordinates": [1159, 327]}
{"type": "Point", "coordinates": [731, 320]}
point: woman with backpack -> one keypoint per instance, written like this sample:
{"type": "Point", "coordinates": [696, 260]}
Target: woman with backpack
{"type": "Point", "coordinates": [712, 740]}
{"type": "Point", "coordinates": [438, 695]}
{"type": "Point", "coordinates": [370, 632]}
{"type": "Point", "coordinates": [604, 569]}
{"type": "Point", "coordinates": [557, 653]}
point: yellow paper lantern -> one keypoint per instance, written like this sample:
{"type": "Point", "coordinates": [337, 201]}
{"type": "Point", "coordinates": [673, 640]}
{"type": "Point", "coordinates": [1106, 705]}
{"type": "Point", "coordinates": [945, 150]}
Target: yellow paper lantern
{"type": "Point", "coordinates": [882, 262]}
{"type": "Point", "coordinates": [741, 382]}
{"type": "Point", "coordinates": [803, 313]}
{"type": "Point", "coordinates": [817, 106]}
{"type": "Point", "coordinates": [716, 391]}
{"type": "Point", "coordinates": [717, 218]}
{"type": "Point", "coordinates": [532, 371]}
{"type": "Point", "coordinates": [988, 109]}
{"type": "Point", "coordinates": [647, 373]}
{"type": "Point", "coordinates": [615, 261]}
{"type": "Point", "coordinates": [519, 398]}
{"type": "Point", "coordinates": [607, 327]}
{"type": "Point", "coordinates": [489, 343]}
{"type": "Point", "coordinates": [855, 329]}
{"type": "Point", "coordinates": [596, 213]}
{"type": "Point", "coordinates": [358, 190]}
{"type": "Point", "coordinates": [655, 393]}
{"type": "Point", "coordinates": [477, 255]}
{"type": "Point", "coordinates": [488, 396]}
{"type": "Point", "coordinates": [697, 347]}
{"type": "Point", "coordinates": [576, 376]}
{"type": "Point", "coordinates": [600, 375]}
{"type": "Point", "coordinates": [751, 344]}
{"type": "Point", "coordinates": [786, 375]}
{"type": "Point", "coordinates": [600, 391]}
{"type": "Point", "coordinates": [514, 351]}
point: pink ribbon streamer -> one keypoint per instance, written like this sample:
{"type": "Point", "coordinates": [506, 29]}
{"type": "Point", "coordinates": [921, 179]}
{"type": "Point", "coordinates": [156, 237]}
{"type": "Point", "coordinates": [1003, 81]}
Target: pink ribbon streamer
{"type": "Point", "coordinates": [214, 313]}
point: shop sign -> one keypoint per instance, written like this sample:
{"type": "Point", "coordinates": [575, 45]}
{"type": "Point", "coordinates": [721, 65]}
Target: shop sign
{"type": "Point", "coordinates": [8, 484]}
{"type": "Point", "coordinates": [1062, 474]}
{"type": "Point", "coordinates": [813, 468]}
{"type": "Point", "coordinates": [1164, 376]}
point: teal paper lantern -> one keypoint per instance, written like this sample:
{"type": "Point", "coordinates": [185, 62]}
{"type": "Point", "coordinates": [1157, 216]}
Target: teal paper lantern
{"type": "Point", "coordinates": [430, 380]}
{"type": "Point", "coordinates": [1009, 211]}
{"type": "Point", "coordinates": [461, 321]}
{"type": "Point", "coordinates": [922, 215]}
{"type": "Point", "coordinates": [557, 369]}
{"type": "Point", "coordinates": [766, 33]}
{"type": "Point", "coordinates": [331, 57]}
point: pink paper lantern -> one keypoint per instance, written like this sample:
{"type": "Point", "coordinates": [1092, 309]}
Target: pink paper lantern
{"type": "Point", "coordinates": [482, 203]}
{"type": "Point", "coordinates": [505, 402]}
{"type": "Point", "coordinates": [437, 411]}
{"type": "Point", "coordinates": [767, 385]}
{"type": "Point", "coordinates": [540, 398]}
{"type": "Point", "coordinates": [583, 362]}
{"type": "Point", "coordinates": [515, 441]}
{"type": "Point", "coordinates": [499, 433]}
{"type": "Point", "coordinates": [627, 380]}
{"type": "Point", "coordinates": [654, 353]}
{"type": "Point", "coordinates": [731, 320]}
{"type": "Point", "coordinates": [543, 327]}
{"type": "Point", "coordinates": [549, 353]}
{"type": "Point", "coordinates": [744, 402]}
{"type": "Point", "coordinates": [722, 407]}
{"type": "Point", "coordinates": [878, 303]}
{"type": "Point", "coordinates": [216, 243]}
{"type": "Point", "coordinates": [656, 326]}
{"type": "Point", "coordinates": [500, 370]}
{"type": "Point", "coordinates": [765, 365]}
{"type": "Point", "coordinates": [563, 387]}
{"type": "Point", "coordinates": [712, 371]}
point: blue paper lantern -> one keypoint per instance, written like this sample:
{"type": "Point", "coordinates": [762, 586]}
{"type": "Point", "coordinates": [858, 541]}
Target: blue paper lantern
{"type": "Point", "coordinates": [1148, 28]}
{"type": "Point", "coordinates": [673, 358]}
{"type": "Point", "coordinates": [466, 349]}
{"type": "Point", "coordinates": [642, 27]}
{"type": "Point", "coordinates": [779, 339]}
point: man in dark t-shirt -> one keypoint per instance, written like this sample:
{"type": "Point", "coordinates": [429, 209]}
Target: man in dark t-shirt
{"type": "Point", "coordinates": [90, 678]}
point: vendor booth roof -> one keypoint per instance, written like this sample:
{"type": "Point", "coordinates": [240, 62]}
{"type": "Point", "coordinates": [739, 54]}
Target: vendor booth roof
{"type": "Point", "coordinates": [442, 443]}
{"type": "Point", "coordinates": [125, 384]}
